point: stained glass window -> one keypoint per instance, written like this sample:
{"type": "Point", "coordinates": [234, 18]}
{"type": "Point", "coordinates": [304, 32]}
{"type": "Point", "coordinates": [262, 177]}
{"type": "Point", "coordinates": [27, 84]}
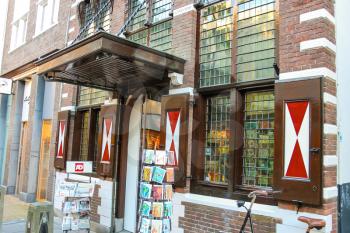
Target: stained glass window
{"type": "Point", "coordinates": [217, 133]}
{"type": "Point", "coordinates": [161, 36]}
{"type": "Point", "coordinates": [256, 45]}
{"type": "Point", "coordinates": [161, 10]}
{"type": "Point", "coordinates": [258, 150]}
{"type": "Point", "coordinates": [84, 141]}
{"type": "Point", "coordinates": [91, 96]}
{"type": "Point", "coordinates": [216, 44]}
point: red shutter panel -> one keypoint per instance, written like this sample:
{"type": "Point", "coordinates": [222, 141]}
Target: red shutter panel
{"type": "Point", "coordinates": [62, 139]}
{"type": "Point", "coordinates": [174, 132]}
{"type": "Point", "coordinates": [298, 138]}
{"type": "Point", "coordinates": [107, 136]}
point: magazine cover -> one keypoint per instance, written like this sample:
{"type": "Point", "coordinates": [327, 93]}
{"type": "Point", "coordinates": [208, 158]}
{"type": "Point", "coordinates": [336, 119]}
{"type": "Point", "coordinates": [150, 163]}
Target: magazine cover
{"type": "Point", "coordinates": [147, 173]}
{"type": "Point", "coordinates": [84, 222]}
{"type": "Point", "coordinates": [145, 208]}
{"type": "Point", "coordinates": [171, 158]}
{"type": "Point", "coordinates": [83, 204]}
{"type": "Point", "coordinates": [166, 225]}
{"type": "Point", "coordinates": [168, 194]}
{"type": "Point", "coordinates": [157, 192]}
{"type": "Point", "coordinates": [84, 190]}
{"type": "Point", "coordinates": [75, 224]}
{"type": "Point", "coordinates": [145, 224]}
{"type": "Point", "coordinates": [149, 156]}
{"type": "Point", "coordinates": [168, 209]}
{"type": "Point", "coordinates": [66, 223]}
{"type": "Point", "coordinates": [160, 157]}
{"type": "Point", "coordinates": [157, 226]}
{"type": "Point", "coordinates": [67, 189]}
{"type": "Point", "coordinates": [170, 175]}
{"type": "Point", "coordinates": [157, 210]}
{"type": "Point", "coordinates": [158, 175]}
{"type": "Point", "coordinates": [67, 207]}
{"type": "Point", "coordinates": [145, 190]}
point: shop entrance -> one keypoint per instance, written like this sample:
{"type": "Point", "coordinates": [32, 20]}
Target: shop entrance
{"type": "Point", "coordinates": [144, 133]}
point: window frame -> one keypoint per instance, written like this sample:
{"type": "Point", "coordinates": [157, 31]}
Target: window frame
{"type": "Point", "coordinates": [15, 43]}
{"type": "Point", "coordinates": [52, 12]}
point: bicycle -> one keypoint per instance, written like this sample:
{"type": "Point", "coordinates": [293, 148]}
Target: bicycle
{"type": "Point", "coordinates": [312, 223]}
{"type": "Point", "coordinates": [252, 196]}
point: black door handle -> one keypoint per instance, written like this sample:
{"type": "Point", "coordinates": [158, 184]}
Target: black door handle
{"type": "Point", "coordinates": [315, 150]}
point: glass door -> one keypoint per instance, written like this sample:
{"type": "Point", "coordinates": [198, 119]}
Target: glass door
{"type": "Point", "coordinates": [44, 160]}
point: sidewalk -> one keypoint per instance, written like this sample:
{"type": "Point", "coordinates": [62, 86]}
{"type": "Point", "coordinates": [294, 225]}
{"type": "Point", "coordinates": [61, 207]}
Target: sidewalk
{"type": "Point", "coordinates": [15, 215]}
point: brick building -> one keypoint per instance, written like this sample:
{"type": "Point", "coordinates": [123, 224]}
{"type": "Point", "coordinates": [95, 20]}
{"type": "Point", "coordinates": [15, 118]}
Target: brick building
{"type": "Point", "coordinates": [252, 81]}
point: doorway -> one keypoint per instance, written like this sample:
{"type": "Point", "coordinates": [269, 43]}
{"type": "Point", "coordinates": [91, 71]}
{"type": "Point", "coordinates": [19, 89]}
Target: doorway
{"type": "Point", "coordinates": [44, 160]}
{"type": "Point", "coordinates": [21, 171]}
{"type": "Point", "coordinates": [144, 133]}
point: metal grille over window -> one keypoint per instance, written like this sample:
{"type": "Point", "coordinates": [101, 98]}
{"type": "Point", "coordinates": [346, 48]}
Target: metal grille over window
{"type": "Point", "coordinates": [84, 142]}
{"type": "Point", "coordinates": [91, 96]}
{"type": "Point", "coordinates": [95, 19]}
{"type": "Point", "coordinates": [216, 44]}
{"type": "Point", "coordinates": [256, 40]}
{"type": "Point", "coordinates": [217, 133]}
{"type": "Point", "coordinates": [161, 36]}
{"type": "Point", "coordinates": [140, 18]}
{"type": "Point", "coordinates": [258, 151]}
{"type": "Point", "coordinates": [161, 10]}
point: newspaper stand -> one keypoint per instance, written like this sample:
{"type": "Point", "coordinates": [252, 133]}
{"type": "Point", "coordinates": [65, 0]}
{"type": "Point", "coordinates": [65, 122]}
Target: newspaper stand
{"type": "Point", "coordinates": [156, 191]}
{"type": "Point", "coordinates": [77, 204]}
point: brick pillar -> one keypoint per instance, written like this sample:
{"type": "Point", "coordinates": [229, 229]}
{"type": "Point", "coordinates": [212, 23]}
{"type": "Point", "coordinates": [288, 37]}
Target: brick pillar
{"type": "Point", "coordinates": [13, 140]}
{"type": "Point", "coordinates": [307, 50]}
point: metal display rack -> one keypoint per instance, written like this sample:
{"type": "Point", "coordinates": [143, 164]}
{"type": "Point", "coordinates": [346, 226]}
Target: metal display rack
{"type": "Point", "coordinates": [148, 213]}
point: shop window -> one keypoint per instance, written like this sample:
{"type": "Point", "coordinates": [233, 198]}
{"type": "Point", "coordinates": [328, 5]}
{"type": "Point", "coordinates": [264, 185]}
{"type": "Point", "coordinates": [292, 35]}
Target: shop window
{"type": "Point", "coordinates": [47, 15]}
{"type": "Point", "coordinates": [258, 149]}
{"type": "Point", "coordinates": [256, 33]}
{"type": "Point", "coordinates": [217, 133]}
{"type": "Point", "coordinates": [216, 25]}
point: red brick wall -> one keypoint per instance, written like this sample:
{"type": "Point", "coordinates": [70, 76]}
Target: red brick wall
{"type": "Point", "coordinates": [292, 32]}
{"type": "Point", "coordinates": [48, 41]}
{"type": "Point", "coordinates": [205, 219]}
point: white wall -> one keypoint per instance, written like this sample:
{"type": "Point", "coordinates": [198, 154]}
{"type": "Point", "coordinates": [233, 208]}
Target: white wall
{"type": "Point", "coordinates": [3, 18]}
{"type": "Point", "coordinates": [343, 76]}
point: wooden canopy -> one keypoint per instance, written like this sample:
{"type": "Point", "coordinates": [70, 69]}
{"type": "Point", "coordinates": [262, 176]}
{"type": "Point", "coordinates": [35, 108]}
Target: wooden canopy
{"type": "Point", "coordinates": [111, 63]}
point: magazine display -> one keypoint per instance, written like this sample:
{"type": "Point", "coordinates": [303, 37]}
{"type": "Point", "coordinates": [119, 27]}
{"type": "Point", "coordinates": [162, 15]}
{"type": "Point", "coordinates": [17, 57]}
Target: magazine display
{"type": "Point", "coordinates": [156, 192]}
{"type": "Point", "coordinates": [76, 206]}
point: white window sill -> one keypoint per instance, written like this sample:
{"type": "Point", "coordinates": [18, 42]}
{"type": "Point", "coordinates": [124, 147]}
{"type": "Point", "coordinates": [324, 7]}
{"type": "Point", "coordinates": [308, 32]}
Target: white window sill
{"type": "Point", "coordinates": [46, 29]}
{"type": "Point", "coordinates": [15, 48]}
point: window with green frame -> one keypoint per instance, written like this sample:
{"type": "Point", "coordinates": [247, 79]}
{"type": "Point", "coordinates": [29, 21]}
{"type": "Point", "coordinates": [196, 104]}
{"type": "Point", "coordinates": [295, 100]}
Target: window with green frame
{"type": "Point", "coordinates": [256, 33]}
{"type": "Point", "coordinates": [258, 148]}
{"type": "Point", "coordinates": [216, 25]}
{"type": "Point", "coordinates": [217, 134]}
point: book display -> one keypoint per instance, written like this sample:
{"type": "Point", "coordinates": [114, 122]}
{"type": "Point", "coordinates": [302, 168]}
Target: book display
{"type": "Point", "coordinates": [156, 192]}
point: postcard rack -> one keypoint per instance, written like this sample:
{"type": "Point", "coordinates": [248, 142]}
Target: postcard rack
{"type": "Point", "coordinates": [77, 205]}
{"type": "Point", "coordinates": [156, 191]}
